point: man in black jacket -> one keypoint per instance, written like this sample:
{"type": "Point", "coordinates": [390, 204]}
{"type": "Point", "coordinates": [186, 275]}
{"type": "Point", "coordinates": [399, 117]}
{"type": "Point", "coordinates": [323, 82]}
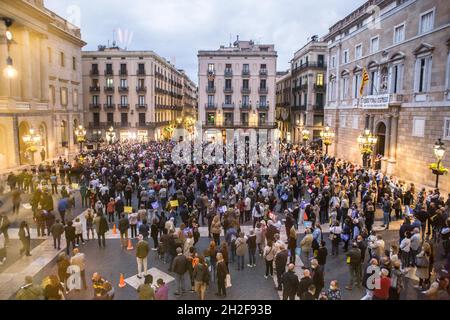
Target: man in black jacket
{"type": "Point", "coordinates": [124, 225]}
{"type": "Point", "coordinates": [69, 230]}
{"type": "Point", "coordinates": [290, 283]}
{"type": "Point", "coordinates": [304, 283]}
{"type": "Point", "coordinates": [179, 266]}
{"type": "Point", "coordinates": [280, 265]}
{"type": "Point", "coordinates": [317, 277]}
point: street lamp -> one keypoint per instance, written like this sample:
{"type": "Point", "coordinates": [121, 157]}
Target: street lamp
{"type": "Point", "coordinates": [305, 135]}
{"type": "Point", "coordinates": [111, 134]}
{"type": "Point", "coordinates": [31, 141]}
{"type": "Point", "coordinates": [327, 137]}
{"type": "Point", "coordinates": [9, 72]}
{"type": "Point", "coordinates": [437, 168]}
{"type": "Point", "coordinates": [80, 132]}
{"type": "Point", "coordinates": [366, 142]}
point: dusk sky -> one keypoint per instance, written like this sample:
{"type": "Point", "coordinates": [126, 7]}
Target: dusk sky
{"type": "Point", "coordinates": [177, 29]}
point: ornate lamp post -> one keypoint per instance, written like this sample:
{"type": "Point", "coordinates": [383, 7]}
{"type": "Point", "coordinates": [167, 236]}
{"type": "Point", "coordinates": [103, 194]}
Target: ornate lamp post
{"type": "Point", "coordinates": [366, 142]}
{"type": "Point", "coordinates": [80, 133]}
{"type": "Point", "coordinates": [9, 72]}
{"type": "Point", "coordinates": [437, 168]}
{"type": "Point", "coordinates": [305, 135]}
{"type": "Point", "coordinates": [110, 134]}
{"type": "Point", "coordinates": [327, 137]}
{"type": "Point", "coordinates": [31, 141]}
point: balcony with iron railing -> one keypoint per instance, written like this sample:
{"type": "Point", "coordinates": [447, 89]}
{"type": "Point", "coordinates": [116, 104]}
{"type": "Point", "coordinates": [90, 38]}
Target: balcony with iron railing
{"type": "Point", "coordinates": [109, 107]}
{"type": "Point", "coordinates": [246, 73]}
{"type": "Point", "coordinates": [263, 106]}
{"type": "Point", "coordinates": [124, 124]}
{"type": "Point", "coordinates": [141, 107]}
{"type": "Point", "coordinates": [210, 90]}
{"type": "Point", "coordinates": [94, 89]}
{"type": "Point", "coordinates": [123, 89]}
{"type": "Point", "coordinates": [211, 106]}
{"type": "Point", "coordinates": [141, 72]}
{"type": "Point", "coordinates": [124, 106]}
{"type": "Point", "coordinates": [109, 72]}
{"type": "Point", "coordinates": [318, 87]}
{"type": "Point", "coordinates": [228, 73]}
{"type": "Point", "coordinates": [310, 64]}
{"type": "Point", "coordinates": [228, 90]}
{"type": "Point", "coordinates": [109, 89]}
{"type": "Point", "coordinates": [94, 106]}
{"type": "Point", "coordinates": [142, 89]}
{"type": "Point", "coordinates": [245, 106]}
{"type": "Point", "coordinates": [227, 105]}
{"type": "Point", "coordinates": [123, 72]}
{"type": "Point", "coordinates": [94, 72]}
{"type": "Point", "coordinates": [245, 90]}
{"type": "Point", "coordinates": [318, 107]}
{"type": "Point", "coordinates": [263, 72]}
{"type": "Point", "coordinates": [263, 90]}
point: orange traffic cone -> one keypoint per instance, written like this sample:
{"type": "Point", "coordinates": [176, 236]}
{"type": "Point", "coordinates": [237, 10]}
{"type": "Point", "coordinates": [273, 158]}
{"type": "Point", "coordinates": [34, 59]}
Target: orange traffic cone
{"type": "Point", "coordinates": [114, 229]}
{"type": "Point", "coordinates": [130, 245]}
{"type": "Point", "coordinates": [122, 281]}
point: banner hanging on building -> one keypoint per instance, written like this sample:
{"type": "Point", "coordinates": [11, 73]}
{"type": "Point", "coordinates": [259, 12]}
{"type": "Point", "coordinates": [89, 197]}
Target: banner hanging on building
{"type": "Point", "coordinates": [380, 101]}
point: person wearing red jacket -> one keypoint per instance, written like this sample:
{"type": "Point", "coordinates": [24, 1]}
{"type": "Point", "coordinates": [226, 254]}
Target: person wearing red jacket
{"type": "Point", "coordinates": [381, 291]}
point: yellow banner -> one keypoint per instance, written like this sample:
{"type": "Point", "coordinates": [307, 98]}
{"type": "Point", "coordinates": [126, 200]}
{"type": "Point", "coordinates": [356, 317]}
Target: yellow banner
{"type": "Point", "coordinates": [174, 203]}
{"type": "Point", "coordinates": [128, 209]}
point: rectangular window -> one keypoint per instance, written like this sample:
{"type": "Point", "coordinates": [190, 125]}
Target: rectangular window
{"type": "Point", "coordinates": [124, 100]}
{"type": "Point", "coordinates": [211, 118]}
{"type": "Point", "coordinates": [141, 83]}
{"type": "Point", "coordinates": [245, 100]}
{"type": "Point", "coordinates": [374, 44]}
{"type": "Point", "coordinates": [263, 101]}
{"type": "Point", "coordinates": [210, 101]}
{"type": "Point", "coordinates": [262, 84]}
{"type": "Point", "coordinates": [96, 117]}
{"type": "Point", "coordinates": [426, 22]}
{"type": "Point", "coordinates": [447, 129]}
{"type": "Point", "coordinates": [418, 127]}
{"type": "Point", "coordinates": [74, 64]}
{"type": "Point", "coordinates": [109, 83]}
{"type": "Point", "coordinates": [62, 62]}
{"type": "Point", "coordinates": [333, 61]}
{"type": "Point", "coordinates": [262, 118]}
{"type": "Point", "coordinates": [95, 100]}
{"type": "Point", "coordinates": [396, 75]}
{"type": "Point", "coordinates": [246, 68]}
{"type": "Point", "coordinates": [142, 100]}
{"type": "Point", "coordinates": [211, 67]}
{"type": "Point", "coordinates": [319, 100]}
{"type": "Point", "coordinates": [52, 95]}
{"type": "Point", "coordinates": [141, 68]}
{"type": "Point", "coordinates": [228, 117]}
{"type": "Point", "coordinates": [319, 79]}
{"type": "Point", "coordinates": [423, 74]}
{"type": "Point", "coordinates": [124, 119]}
{"type": "Point", "coordinates": [345, 57]}
{"type": "Point", "coordinates": [373, 82]}
{"type": "Point", "coordinates": [228, 99]}
{"type": "Point", "coordinates": [110, 118]}
{"type": "Point", "coordinates": [245, 84]}
{"type": "Point", "coordinates": [399, 33]}
{"type": "Point", "coordinates": [123, 83]}
{"type": "Point", "coordinates": [109, 69]}
{"type": "Point", "coordinates": [123, 69]}
{"type": "Point", "coordinates": [356, 85]}
{"type": "Point", "coordinates": [142, 118]}
{"type": "Point", "coordinates": [109, 100]}
{"type": "Point", "coordinates": [227, 83]}
{"type": "Point", "coordinates": [244, 118]}
{"type": "Point", "coordinates": [358, 51]}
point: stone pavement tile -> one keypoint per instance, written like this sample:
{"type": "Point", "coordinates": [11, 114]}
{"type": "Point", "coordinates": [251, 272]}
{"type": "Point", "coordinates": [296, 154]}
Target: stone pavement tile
{"type": "Point", "coordinates": [135, 282]}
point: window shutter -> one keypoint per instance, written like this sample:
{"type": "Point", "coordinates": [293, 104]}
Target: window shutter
{"type": "Point", "coordinates": [390, 80]}
{"type": "Point", "coordinates": [400, 78]}
{"type": "Point", "coordinates": [417, 76]}
{"type": "Point", "coordinates": [428, 73]}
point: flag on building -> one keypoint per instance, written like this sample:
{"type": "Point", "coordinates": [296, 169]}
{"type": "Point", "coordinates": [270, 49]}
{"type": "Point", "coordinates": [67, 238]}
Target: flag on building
{"type": "Point", "coordinates": [365, 80]}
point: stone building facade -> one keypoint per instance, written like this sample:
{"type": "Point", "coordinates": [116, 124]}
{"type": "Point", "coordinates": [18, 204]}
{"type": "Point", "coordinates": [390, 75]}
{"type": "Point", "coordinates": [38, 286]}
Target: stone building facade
{"type": "Point", "coordinates": [237, 87]}
{"type": "Point", "coordinates": [45, 95]}
{"type": "Point", "coordinates": [138, 93]}
{"type": "Point", "coordinates": [283, 105]}
{"type": "Point", "coordinates": [404, 46]}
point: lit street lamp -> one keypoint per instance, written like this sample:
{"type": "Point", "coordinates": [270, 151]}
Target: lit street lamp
{"type": "Point", "coordinates": [9, 72]}
{"type": "Point", "coordinates": [305, 135]}
{"type": "Point", "coordinates": [80, 132]}
{"type": "Point", "coordinates": [327, 137]}
{"type": "Point", "coordinates": [437, 168]}
{"type": "Point", "coordinates": [366, 142]}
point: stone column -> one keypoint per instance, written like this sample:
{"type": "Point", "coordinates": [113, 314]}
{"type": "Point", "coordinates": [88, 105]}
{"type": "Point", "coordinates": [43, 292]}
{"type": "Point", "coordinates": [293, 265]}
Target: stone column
{"type": "Point", "coordinates": [44, 69]}
{"type": "Point", "coordinates": [37, 74]}
{"type": "Point", "coordinates": [26, 66]}
{"type": "Point", "coordinates": [387, 144]}
{"type": "Point", "coordinates": [4, 84]}
{"type": "Point", "coordinates": [393, 146]}
{"type": "Point", "coordinates": [16, 140]}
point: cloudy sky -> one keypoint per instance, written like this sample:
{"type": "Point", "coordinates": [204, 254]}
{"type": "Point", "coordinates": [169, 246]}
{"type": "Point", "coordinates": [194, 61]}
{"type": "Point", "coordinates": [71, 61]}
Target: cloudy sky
{"type": "Point", "coordinates": [177, 29]}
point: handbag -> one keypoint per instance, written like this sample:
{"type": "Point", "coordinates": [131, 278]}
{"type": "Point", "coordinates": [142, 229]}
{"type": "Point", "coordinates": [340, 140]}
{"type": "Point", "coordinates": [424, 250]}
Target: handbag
{"type": "Point", "coordinates": [422, 262]}
{"type": "Point", "coordinates": [228, 281]}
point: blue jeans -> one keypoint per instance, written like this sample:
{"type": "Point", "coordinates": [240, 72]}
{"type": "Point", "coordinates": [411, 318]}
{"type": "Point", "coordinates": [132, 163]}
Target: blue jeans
{"type": "Point", "coordinates": [240, 261]}
{"type": "Point", "coordinates": [386, 219]}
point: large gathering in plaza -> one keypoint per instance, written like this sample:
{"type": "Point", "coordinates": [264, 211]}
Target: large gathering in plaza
{"type": "Point", "coordinates": [121, 178]}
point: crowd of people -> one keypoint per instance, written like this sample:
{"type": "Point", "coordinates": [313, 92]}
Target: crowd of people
{"type": "Point", "coordinates": [249, 218]}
